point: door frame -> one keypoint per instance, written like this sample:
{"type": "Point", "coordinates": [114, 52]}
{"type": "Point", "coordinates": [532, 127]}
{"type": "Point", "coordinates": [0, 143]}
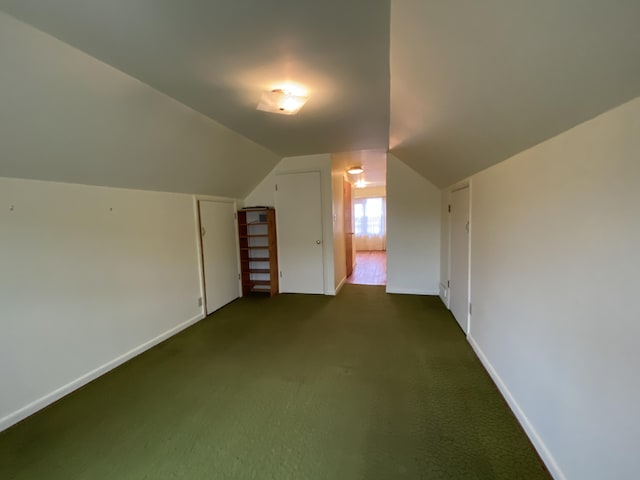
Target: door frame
{"type": "Point", "coordinates": [200, 247]}
{"type": "Point", "coordinates": [466, 183]}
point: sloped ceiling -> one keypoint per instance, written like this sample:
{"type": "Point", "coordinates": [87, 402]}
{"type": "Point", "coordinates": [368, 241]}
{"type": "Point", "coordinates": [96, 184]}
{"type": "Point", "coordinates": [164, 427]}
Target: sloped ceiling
{"type": "Point", "coordinates": [468, 83]}
{"type": "Point", "coordinates": [218, 56]}
{"type": "Point", "coordinates": [474, 82]}
{"type": "Point", "coordinates": [68, 117]}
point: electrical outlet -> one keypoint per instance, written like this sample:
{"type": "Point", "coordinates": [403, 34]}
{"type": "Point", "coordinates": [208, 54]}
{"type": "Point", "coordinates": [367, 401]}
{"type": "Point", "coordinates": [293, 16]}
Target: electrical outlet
{"type": "Point", "coordinates": [200, 301]}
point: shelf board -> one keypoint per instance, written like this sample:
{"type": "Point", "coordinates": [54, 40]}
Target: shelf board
{"type": "Point", "coordinates": [265, 247]}
{"type": "Point", "coordinates": [257, 259]}
{"type": "Point", "coordinates": [263, 235]}
{"type": "Point", "coordinates": [259, 270]}
{"type": "Point", "coordinates": [261, 282]}
{"type": "Point", "coordinates": [251, 224]}
{"type": "Point", "coordinates": [261, 291]}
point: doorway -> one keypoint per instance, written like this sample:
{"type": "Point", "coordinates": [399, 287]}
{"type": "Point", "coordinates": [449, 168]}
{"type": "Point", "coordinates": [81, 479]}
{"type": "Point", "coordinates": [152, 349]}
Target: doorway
{"type": "Point", "coordinates": [369, 236]}
{"type": "Point", "coordinates": [364, 201]}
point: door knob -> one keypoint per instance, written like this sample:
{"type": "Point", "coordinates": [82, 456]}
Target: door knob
{"type": "Point", "coordinates": [318, 242]}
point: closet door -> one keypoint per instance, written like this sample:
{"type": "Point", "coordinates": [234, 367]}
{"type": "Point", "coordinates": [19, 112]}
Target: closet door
{"type": "Point", "coordinates": [299, 226]}
{"type": "Point", "coordinates": [219, 253]}
{"type": "Point", "coordinates": [460, 257]}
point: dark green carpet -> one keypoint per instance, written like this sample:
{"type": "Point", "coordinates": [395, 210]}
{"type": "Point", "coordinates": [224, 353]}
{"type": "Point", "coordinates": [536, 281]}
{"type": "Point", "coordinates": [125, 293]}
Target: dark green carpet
{"type": "Point", "coordinates": [360, 386]}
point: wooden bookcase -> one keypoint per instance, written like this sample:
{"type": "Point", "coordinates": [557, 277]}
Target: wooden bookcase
{"type": "Point", "coordinates": [258, 251]}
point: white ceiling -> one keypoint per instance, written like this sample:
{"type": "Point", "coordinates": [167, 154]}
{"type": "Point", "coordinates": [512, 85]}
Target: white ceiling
{"type": "Point", "coordinates": [468, 83]}
{"type": "Point", "coordinates": [475, 82]}
{"type": "Point", "coordinates": [373, 162]}
{"type": "Point", "coordinates": [218, 56]}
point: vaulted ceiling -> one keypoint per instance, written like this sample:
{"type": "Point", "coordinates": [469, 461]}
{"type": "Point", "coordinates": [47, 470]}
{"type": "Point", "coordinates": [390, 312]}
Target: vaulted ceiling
{"type": "Point", "coordinates": [218, 56]}
{"type": "Point", "coordinates": [450, 87]}
{"type": "Point", "coordinates": [475, 82]}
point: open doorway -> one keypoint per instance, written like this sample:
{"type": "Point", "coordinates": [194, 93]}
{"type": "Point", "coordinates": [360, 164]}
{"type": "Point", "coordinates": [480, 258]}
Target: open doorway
{"type": "Point", "coordinates": [368, 225]}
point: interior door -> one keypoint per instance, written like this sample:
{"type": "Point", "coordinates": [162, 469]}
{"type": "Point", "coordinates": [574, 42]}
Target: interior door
{"type": "Point", "coordinates": [299, 227]}
{"type": "Point", "coordinates": [348, 227]}
{"type": "Point", "coordinates": [459, 291]}
{"type": "Point", "coordinates": [219, 253]}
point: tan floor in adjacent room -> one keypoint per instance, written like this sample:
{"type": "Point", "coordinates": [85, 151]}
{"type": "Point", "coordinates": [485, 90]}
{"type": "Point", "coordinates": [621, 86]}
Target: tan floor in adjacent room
{"type": "Point", "coordinates": [370, 269]}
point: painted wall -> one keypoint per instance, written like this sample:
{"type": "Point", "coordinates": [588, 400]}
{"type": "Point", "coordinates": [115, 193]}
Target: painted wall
{"type": "Point", "coordinates": [554, 286]}
{"type": "Point", "coordinates": [413, 231]}
{"type": "Point", "coordinates": [339, 247]}
{"type": "Point", "coordinates": [65, 116]}
{"type": "Point", "coordinates": [89, 276]}
{"type": "Point", "coordinates": [264, 194]}
{"type": "Point", "coordinates": [369, 192]}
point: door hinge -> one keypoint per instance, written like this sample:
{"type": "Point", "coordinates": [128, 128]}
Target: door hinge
{"type": "Point", "coordinates": [449, 208]}
{"type": "Point", "coordinates": [235, 216]}
{"type": "Point", "coordinates": [448, 284]}
{"type": "Point", "coordinates": [276, 187]}
{"type": "Point", "coordinates": [280, 273]}
{"type": "Point", "coordinates": [238, 276]}
{"type": "Point", "coordinates": [470, 309]}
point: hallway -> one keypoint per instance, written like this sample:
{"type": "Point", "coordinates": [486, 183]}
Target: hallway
{"type": "Point", "coordinates": [370, 269]}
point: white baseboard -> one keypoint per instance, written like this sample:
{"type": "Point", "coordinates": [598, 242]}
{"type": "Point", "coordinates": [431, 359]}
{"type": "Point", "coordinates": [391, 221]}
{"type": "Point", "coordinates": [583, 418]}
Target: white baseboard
{"type": "Point", "coordinates": [539, 445]}
{"type": "Point", "coordinates": [340, 285]}
{"type": "Point", "coordinates": [57, 394]}
{"type": "Point", "coordinates": [411, 291]}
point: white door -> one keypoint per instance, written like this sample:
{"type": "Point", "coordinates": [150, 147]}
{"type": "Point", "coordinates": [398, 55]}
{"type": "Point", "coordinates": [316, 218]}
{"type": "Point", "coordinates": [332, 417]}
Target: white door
{"type": "Point", "coordinates": [459, 292]}
{"type": "Point", "coordinates": [299, 227]}
{"type": "Point", "coordinates": [219, 253]}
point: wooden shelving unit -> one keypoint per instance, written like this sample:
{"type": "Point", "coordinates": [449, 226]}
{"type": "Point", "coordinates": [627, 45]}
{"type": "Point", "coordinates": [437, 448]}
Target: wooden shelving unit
{"type": "Point", "coordinates": [258, 251]}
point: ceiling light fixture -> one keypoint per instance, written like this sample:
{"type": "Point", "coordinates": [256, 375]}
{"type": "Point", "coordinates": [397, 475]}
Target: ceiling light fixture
{"type": "Point", "coordinates": [355, 170]}
{"type": "Point", "coordinates": [281, 101]}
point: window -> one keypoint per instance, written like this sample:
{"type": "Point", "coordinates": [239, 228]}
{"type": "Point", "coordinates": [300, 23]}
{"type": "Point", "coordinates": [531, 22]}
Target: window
{"type": "Point", "coordinates": [368, 214]}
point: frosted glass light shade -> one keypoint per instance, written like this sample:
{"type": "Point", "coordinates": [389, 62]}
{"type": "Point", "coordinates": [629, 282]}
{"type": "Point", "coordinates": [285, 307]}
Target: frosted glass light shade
{"type": "Point", "coordinates": [282, 102]}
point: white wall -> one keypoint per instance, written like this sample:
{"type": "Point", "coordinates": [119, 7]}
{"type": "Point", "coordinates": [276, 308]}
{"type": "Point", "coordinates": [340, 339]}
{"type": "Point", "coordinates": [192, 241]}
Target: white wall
{"type": "Point", "coordinates": [264, 194]}
{"type": "Point", "coordinates": [369, 192]}
{"type": "Point", "coordinates": [339, 247]}
{"type": "Point", "coordinates": [554, 286]}
{"type": "Point", "coordinates": [413, 231]}
{"type": "Point", "coordinates": [65, 116]}
{"type": "Point", "coordinates": [89, 276]}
